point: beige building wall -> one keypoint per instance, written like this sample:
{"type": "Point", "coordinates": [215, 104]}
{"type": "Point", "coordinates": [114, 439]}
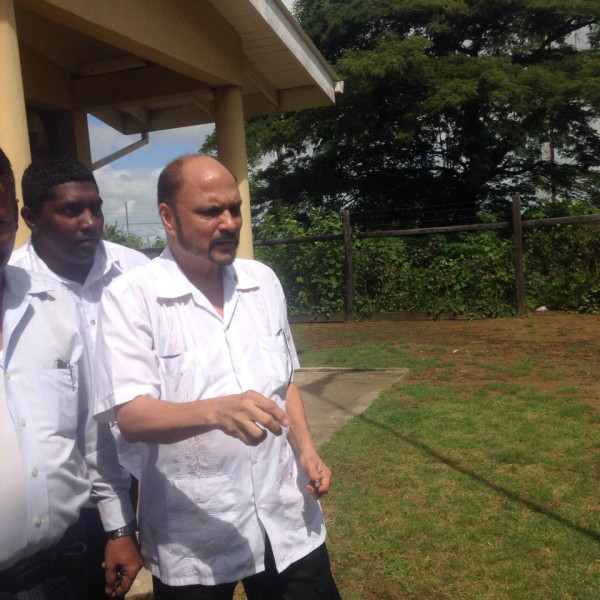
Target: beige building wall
{"type": "Point", "coordinates": [14, 136]}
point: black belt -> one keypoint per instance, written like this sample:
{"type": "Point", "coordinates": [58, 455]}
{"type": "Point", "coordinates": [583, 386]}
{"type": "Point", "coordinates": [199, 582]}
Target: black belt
{"type": "Point", "coordinates": [63, 557]}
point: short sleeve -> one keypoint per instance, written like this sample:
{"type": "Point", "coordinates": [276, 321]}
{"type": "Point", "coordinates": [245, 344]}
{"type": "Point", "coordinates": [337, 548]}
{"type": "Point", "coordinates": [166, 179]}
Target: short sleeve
{"type": "Point", "coordinates": [125, 361]}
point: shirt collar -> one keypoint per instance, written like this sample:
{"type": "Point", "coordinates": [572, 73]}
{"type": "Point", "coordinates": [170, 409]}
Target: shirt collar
{"type": "Point", "coordinates": [100, 267]}
{"type": "Point", "coordinates": [172, 282]}
{"type": "Point", "coordinates": [20, 282]}
{"type": "Point", "coordinates": [102, 264]}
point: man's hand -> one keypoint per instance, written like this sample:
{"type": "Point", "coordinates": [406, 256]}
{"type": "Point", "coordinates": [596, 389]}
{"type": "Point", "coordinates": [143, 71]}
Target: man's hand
{"type": "Point", "coordinates": [122, 561]}
{"type": "Point", "coordinates": [318, 473]}
{"type": "Point", "coordinates": [248, 417]}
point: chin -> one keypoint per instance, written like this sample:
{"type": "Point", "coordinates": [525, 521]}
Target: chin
{"type": "Point", "coordinates": [223, 259]}
{"type": "Point", "coordinates": [84, 257]}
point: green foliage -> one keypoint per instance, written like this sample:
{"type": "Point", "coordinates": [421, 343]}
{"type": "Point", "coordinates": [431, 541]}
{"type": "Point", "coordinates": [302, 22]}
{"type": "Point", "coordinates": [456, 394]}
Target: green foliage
{"type": "Point", "coordinates": [467, 273]}
{"type": "Point", "coordinates": [309, 273]}
{"type": "Point", "coordinates": [562, 267]}
{"type": "Point", "coordinates": [115, 233]}
{"type": "Point", "coordinates": [446, 101]}
{"type": "Point", "coordinates": [459, 274]}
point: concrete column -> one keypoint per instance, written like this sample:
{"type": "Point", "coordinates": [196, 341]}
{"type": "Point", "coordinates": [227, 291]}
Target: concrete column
{"type": "Point", "coordinates": [231, 147]}
{"type": "Point", "coordinates": [14, 136]}
{"type": "Point", "coordinates": [82, 138]}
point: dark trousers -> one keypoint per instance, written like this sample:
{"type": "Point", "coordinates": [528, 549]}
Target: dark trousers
{"type": "Point", "coordinates": [55, 573]}
{"type": "Point", "coordinates": [309, 578]}
{"type": "Point", "coordinates": [96, 542]}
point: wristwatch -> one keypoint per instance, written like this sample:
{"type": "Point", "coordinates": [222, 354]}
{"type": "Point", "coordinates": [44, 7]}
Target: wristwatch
{"type": "Point", "coordinates": [128, 529]}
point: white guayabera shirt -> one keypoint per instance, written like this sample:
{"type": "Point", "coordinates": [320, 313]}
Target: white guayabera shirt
{"type": "Point", "coordinates": [62, 452]}
{"type": "Point", "coordinates": [111, 261]}
{"type": "Point", "coordinates": [206, 501]}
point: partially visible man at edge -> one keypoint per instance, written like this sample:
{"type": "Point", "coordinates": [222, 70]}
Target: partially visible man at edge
{"type": "Point", "coordinates": [63, 210]}
{"type": "Point", "coordinates": [196, 358]}
{"type": "Point", "coordinates": [53, 456]}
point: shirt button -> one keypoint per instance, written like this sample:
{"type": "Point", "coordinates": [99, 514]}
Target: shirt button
{"type": "Point", "coordinates": [37, 522]}
{"type": "Point", "coordinates": [6, 375]}
{"type": "Point", "coordinates": [93, 322]}
{"type": "Point", "coordinates": [34, 473]}
{"type": "Point", "coordinates": [23, 422]}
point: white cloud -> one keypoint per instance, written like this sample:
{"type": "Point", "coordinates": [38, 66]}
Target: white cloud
{"type": "Point", "coordinates": [137, 188]}
{"type": "Point", "coordinates": [132, 179]}
{"type": "Point", "coordinates": [193, 135]}
{"type": "Point", "coordinates": [163, 146]}
{"type": "Point", "coordinates": [104, 139]}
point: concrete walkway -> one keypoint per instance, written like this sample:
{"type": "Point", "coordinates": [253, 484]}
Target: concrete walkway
{"type": "Point", "coordinates": [332, 397]}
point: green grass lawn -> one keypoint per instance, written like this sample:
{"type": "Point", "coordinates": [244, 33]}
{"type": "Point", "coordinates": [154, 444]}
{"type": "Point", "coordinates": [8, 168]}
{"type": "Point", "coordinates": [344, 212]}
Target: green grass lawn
{"type": "Point", "coordinates": [478, 476]}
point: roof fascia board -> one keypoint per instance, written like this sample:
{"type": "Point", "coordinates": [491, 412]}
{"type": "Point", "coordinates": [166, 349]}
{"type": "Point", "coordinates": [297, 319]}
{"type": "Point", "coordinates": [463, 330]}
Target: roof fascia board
{"type": "Point", "coordinates": [285, 26]}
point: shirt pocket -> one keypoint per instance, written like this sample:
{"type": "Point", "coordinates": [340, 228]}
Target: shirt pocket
{"type": "Point", "coordinates": [274, 355]}
{"type": "Point", "coordinates": [184, 377]}
{"type": "Point", "coordinates": [203, 517]}
{"type": "Point", "coordinates": [59, 388]}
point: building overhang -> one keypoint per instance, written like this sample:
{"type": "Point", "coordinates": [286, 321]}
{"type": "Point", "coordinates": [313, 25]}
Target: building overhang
{"type": "Point", "coordinates": [148, 65]}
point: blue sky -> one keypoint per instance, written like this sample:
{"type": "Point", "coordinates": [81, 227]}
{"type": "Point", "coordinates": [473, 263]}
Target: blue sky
{"type": "Point", "coordinates": [132, 179]}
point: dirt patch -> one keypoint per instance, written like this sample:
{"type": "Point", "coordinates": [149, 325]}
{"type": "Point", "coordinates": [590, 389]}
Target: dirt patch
{"type": "Point", "coordinates": [557, 353]}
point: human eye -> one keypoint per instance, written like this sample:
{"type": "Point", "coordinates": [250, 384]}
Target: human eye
{"type": "Point", "coordinates": [236, 210]}
{"type": "Point", "coordinates": [210, 213]}
{"type": "Point", "coordinates": [72, 210]}
{"type": "Point", "coordinates": [96, 208]}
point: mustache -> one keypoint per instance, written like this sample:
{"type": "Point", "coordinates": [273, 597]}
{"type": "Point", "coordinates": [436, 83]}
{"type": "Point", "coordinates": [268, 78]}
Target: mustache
{"type": "Point", "coordinates": [225, 237]}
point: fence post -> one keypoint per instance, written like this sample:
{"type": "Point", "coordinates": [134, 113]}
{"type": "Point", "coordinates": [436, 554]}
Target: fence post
{"type": "Point", "coordinates": [348, 269]}
{"type": "Point", "coordinates": [518, 240]}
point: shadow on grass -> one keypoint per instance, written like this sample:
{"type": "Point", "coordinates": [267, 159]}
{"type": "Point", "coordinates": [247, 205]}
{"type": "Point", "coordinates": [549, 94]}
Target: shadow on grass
{"type": "Point", "coordinates": [473, 475]}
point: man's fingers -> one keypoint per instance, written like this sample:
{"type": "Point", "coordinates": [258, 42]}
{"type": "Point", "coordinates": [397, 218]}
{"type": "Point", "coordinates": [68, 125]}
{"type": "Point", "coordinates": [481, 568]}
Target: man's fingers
{"type": "Point", "coordinates": [110, 581]}
{"type": "Point", "coordinates": [268, 406]}
{"type": "Point", "coordinates": [266, 422]}
{"type": "Point", "coordinates": [325, 484]}
{"type": "Point", "coordinates": [320, 477]}
{"type": "Point", "coordinates": [125, 584]}
{"type": "Point", "coordinates": [253, 434]}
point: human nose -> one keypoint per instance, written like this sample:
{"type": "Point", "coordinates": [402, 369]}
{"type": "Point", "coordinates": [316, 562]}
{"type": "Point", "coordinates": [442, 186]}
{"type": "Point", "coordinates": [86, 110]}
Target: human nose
{"type": "Point", "coordinates": [88, 220]}
{"type": "Point", "coordinates": [228, 221]}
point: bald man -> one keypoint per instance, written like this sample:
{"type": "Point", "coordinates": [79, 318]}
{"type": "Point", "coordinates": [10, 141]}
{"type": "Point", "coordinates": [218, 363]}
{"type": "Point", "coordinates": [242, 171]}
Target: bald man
{"type": "Point", "coordinates": [196, 361]}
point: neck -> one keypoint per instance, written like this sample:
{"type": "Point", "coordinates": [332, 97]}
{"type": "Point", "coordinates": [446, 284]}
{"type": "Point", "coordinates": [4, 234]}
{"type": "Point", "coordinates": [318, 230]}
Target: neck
{"type": "Point", "coordinates": [206, 276]}
{"type": "Point", "coordinates": [72, 271]}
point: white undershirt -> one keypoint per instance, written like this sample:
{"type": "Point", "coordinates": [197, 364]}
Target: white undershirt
{"type": "Point", "coordinates": [13, 499]}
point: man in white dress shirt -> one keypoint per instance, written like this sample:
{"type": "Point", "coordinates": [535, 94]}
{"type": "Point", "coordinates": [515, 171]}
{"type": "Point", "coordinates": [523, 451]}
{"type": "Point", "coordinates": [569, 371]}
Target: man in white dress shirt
{"type": "Point", "coordinates": [63, 210]}
{"type": "Point", "coordinates": [53, 455]}
{"type": "Point", "coordinates": [196, 359]}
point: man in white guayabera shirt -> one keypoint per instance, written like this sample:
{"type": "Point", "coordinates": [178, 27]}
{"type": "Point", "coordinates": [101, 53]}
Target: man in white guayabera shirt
{"type": "Point", "coordinates": [52, 452]}
{"type": "Point", "coordinates": [196, 359]}
{"type": "Point", "coordinates": [63, 210]}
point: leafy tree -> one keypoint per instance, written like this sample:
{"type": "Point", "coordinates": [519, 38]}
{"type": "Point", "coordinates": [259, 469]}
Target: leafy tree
{"type": "Point", "coordinates": [115, 233]}
{"type": "Point", "coordinates": [448, 104]}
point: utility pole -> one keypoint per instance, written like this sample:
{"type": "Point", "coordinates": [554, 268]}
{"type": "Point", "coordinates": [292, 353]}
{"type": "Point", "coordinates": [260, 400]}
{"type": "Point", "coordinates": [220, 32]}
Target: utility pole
{"type": "Point", "coordinates": [126, 217]}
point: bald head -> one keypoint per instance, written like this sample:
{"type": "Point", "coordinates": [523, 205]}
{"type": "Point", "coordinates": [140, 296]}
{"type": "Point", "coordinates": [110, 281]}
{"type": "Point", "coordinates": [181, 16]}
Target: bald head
{"type": "Point", "coordinates": [199, 166]}
{"type": "Point", "coordinates": [200, 206]}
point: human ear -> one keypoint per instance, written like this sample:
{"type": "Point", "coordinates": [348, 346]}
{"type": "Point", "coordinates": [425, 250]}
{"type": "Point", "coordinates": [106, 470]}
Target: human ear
{"type": "Point", "coordinates": [31, 218]}
{"type": "Point", "coordinates": [167, 216]}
